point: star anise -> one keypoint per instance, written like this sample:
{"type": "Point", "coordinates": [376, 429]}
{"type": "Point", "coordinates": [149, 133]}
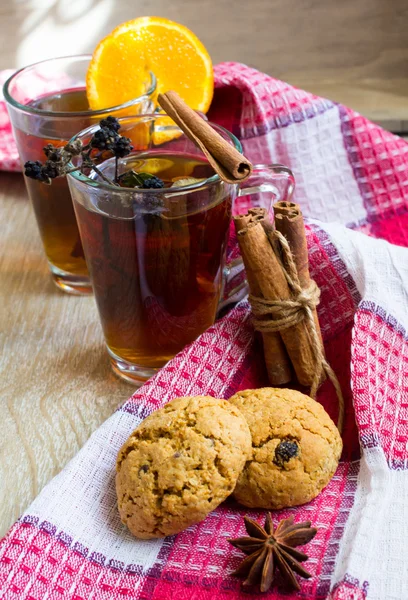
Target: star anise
{"type": "Point", "coordinates": [270, 550]}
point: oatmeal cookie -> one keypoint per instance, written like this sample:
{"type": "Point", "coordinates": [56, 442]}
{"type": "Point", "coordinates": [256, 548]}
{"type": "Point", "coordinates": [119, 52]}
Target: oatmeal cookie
{"type": "Point", "coordinates": [180, 464]}
{"type": "Point", "coordinates": [296, 448]}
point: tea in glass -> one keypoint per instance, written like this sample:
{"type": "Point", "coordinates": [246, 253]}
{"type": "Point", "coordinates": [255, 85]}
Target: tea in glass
{"type": "Point", "coordinates": [47, 103]}
{"type": "Point", "coordinates": [52, 203]}
{"type": "Point", "coordinates": [157, 275]}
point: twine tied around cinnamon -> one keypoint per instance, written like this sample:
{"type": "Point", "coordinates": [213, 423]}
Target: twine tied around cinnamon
{"type": "Point", "coordinates": [277, 315]}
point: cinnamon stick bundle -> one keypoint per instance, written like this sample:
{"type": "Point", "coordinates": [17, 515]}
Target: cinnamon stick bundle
{"type": "Point", "coordinates": [226, 161]}
{"type": "Point", "coordinates": [262, 262]}
{"type": "Point", "coordinates": [276, 358]}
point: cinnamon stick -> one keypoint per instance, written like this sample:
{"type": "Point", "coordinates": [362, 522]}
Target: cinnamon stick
{"type": "Point", "coordinates": [276, 358]}
{"type": "Point", "coordinates": [226, 161]}
{"type": "Point", "coordinates": [289, 222]}
{"type": "Point", "coordinates": [265, 267]}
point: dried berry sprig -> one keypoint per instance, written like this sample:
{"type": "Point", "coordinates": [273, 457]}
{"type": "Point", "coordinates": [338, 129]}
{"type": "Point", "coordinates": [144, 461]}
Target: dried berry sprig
{"type": "Point", "coordinates": [105, 139]}
{"type": "Point", "coordinates": [140, 180]}
{"type": "Point", "coordinates": [110, 123]}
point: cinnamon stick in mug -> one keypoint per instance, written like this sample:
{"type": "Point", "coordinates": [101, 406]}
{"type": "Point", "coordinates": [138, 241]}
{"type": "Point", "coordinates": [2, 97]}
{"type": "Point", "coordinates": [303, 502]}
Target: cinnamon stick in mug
{"type": "Point", "coordinates": [276, 358]}
{"type": "Point", "coordinates": [224, 158]}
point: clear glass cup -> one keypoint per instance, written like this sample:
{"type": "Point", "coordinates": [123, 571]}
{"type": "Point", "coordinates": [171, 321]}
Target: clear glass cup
{"type": "Point", "coordinates": [47, 104]}
{"type": "Point", "coordinates": [157, 257]}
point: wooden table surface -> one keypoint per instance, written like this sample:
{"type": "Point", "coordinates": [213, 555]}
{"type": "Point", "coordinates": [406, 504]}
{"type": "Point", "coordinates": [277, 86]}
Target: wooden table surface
{"type": "Point", "coordinates": [55, 379]}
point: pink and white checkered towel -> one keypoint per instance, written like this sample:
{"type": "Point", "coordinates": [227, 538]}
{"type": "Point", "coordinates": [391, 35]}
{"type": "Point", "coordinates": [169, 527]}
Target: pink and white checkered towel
{"type": "Point", "coordinates": [70, 543]}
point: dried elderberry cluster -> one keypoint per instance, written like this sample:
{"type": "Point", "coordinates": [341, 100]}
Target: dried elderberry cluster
{"type": "Point", "coordinates": [56, 164]}
{"type": "Point", "coordinates": [108, 138]}
{"type": "Point", "coordinates": [105, 140]}
{"type": "Point", "coordinates": [140, 180]}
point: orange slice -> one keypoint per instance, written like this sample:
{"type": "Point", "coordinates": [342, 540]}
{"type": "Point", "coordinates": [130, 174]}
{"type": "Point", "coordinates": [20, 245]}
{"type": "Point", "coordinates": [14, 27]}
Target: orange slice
{"type": "Point", "coordinates": [180, 62]}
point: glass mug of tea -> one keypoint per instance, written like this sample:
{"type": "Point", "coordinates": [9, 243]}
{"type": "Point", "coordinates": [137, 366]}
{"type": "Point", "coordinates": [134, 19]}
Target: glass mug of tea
{"type": "Point", "coordinates": [157, 257]}
{"type": "Point", "coordinates": [47, 104]}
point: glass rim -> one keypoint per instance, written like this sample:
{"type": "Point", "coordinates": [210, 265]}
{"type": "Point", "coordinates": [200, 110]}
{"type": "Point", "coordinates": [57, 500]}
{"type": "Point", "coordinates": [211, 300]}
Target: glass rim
{"type": "Point", "coordinates": [70, 114]}
{"type": "Point", "coordinates": [85, 180]}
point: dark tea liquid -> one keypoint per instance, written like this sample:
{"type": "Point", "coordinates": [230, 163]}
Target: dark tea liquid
{"type": "Point", "coordinates": [157, 278]}
{"type": "Point", "coordinates": [52, 203]}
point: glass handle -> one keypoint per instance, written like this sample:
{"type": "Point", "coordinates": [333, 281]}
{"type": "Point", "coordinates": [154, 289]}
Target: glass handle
{"type": "Point", "coordinates": [276, 179]}
{"type": "Point", "coordinates": [271, 183]}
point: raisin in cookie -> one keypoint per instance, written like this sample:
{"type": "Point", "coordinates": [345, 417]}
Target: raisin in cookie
{"type": "Point", "coordinates": [296, 448]}
{"type": "Point", "coordinates": [180, 464]}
